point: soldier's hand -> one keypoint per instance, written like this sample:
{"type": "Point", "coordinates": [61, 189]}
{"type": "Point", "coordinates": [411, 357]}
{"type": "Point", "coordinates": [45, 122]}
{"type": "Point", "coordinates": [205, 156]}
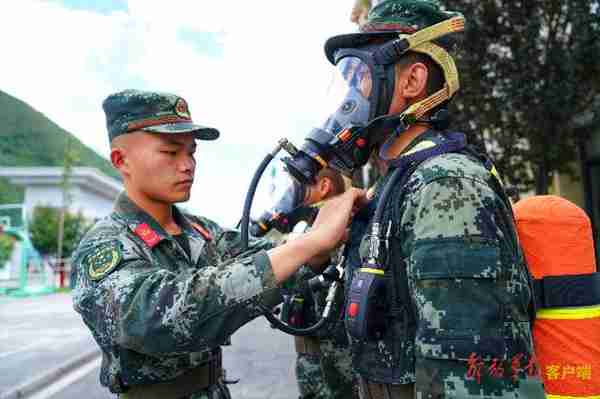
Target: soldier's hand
{"type": "Point", "coordinates": [328, 230]}
{"type": "Point", "coordinates": [334, 217]}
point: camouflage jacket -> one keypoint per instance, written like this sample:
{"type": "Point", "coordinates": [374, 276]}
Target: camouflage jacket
{"type": "Point", "coordinates": [155, 311]}
{"type": "Point", "coordinates": [467, 329]}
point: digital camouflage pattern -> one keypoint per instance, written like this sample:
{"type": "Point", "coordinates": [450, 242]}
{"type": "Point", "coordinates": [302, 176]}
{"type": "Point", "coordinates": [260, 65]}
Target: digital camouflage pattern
{"type": "Point", "coordinates": [467, 283]}
{"type": "Point", "coordinates": [309, 377]}
{"type": "Point", "coordinates": [409, 15]}
{"type": "Point", "coordinates": [328, 375]}
{"type": "Point", "coordinates": [157, 312]}
{"type": "Point", "coordinates": [390, 17]}
{"type": "Point", "coordinates": [132, 110]}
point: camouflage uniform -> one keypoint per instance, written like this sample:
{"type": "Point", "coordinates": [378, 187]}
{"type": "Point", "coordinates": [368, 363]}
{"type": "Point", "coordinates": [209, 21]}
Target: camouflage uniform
{"type": "Point", "coordinates": [467, 330]}
{"type": "Point", "coordinates": [160, 306]}
{"type": "Point", "coordinates": [156, 312]}
{"type": "Point", "coordinates": [328, 373]}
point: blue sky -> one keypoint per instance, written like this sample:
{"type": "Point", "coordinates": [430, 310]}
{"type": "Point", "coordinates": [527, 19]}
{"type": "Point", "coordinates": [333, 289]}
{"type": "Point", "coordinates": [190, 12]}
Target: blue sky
{"type": "Point", "coordinates": [254, 70]}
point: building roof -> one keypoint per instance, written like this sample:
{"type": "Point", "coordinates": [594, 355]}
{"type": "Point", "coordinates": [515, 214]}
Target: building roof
{"type": "Point", "coordinates": [89, 178]}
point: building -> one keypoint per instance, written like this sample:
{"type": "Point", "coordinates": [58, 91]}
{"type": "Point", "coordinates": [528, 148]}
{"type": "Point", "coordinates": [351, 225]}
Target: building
{"type": "Point", "coordinates": [90, 191]}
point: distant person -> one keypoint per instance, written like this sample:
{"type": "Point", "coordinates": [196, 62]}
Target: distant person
{"type": "Point", "coordinates": [324, 360]}
{"type": "Point", "coordinates": [160, 290]}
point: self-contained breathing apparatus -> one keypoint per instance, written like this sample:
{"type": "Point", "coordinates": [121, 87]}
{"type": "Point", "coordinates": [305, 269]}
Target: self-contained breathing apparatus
{"type": "Point", "coordinates": [366, 68]}
{"type": "Point", "coordinates": [291, 208]}
{"type": "Point", "coordinates": [288, 210]}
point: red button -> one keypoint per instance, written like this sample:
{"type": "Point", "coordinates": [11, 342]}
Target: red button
{"type": "Point", "coordinates": [361, 142]}
{"type": "Point", "coordinates": [353, 309]}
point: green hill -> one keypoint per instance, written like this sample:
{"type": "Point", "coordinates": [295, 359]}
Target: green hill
{"type": "Point", "coordinates": [28, 138]}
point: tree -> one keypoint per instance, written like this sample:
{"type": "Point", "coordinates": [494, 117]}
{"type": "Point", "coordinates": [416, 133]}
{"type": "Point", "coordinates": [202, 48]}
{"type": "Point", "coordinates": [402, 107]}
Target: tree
{"type": "Point", "coordinates": [70, 157]}
{"type": "Point", "coordinates": [528, 69]}
{"type": "Point", "coordinates": [43, 230]}
{"type": "Point", "coordinates": [9, 193]}
{"type": "Point", "coordinates": [6, 248]}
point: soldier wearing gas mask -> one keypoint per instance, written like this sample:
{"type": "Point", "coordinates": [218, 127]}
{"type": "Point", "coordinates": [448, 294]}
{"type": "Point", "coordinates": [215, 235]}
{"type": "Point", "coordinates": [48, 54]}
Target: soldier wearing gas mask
{"type": "Point", "coordinates": [438, 297]}
{"type": "Point", "coordinates": [323, 362]}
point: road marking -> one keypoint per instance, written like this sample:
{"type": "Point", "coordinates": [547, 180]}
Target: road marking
{"type": "Point", "coordinates": [68, 379]}
{"type": "Point", "coordinates": [40, 343]}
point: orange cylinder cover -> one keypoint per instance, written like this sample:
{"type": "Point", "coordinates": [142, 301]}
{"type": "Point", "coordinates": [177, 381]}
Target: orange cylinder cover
{"type": "Point", "coordinates": [556, 237]}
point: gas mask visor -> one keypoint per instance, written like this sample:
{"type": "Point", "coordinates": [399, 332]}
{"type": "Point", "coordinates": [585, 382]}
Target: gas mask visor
{"type": "Point", "coordinates": [349, 94]}
{"type": "Point", "coordinates": [286, 196]}
{"type": "Point", "coordinates": [339, 143]}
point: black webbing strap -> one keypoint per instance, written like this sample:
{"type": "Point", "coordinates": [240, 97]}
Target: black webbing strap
{"type": "Point", "coordinates": [567, 291]}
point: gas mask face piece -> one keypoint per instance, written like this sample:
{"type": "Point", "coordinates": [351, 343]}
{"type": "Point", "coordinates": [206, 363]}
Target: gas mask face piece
{"type": "Point", "coordinates": [361, 121]}
{"type": "Point", "coordinates": [290, 196]}
{"type": "Point", "coordinates": [345, 140]}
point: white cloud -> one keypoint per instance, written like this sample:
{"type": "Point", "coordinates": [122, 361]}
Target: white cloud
{"type": "Point", "coordinates": [269, 82]}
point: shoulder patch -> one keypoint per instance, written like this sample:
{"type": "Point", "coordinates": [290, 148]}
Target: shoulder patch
{"type": "Point", "coordinates": [103, 260]}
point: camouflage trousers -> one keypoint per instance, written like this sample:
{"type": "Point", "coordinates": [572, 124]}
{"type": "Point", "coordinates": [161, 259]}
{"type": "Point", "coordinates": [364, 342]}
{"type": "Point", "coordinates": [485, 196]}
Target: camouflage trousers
{"type": "Point", "coordinates": [328, 375]}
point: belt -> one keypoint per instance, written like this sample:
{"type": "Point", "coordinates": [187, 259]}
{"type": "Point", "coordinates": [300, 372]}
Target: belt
{"type": "Point", "coordinates": [190, 382]}
{"type": "Point", "coordinates": [308, 345]}
{"type": "Point", "coordinates": [374, 390]}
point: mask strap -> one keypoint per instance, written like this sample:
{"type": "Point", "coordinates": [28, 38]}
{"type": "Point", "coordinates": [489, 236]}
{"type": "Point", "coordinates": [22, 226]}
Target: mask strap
{"type": "Point", "coordinates": [452, 25]}
{"type": "Point", "coordinates": [451, 85]}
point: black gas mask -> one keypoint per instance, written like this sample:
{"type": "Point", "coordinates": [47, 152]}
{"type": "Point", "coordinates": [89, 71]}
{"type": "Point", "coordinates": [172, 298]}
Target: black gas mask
{"type": "Point", "coordinates": [366, 74]}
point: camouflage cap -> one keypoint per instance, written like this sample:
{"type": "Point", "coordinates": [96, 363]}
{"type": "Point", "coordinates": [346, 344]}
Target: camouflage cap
{"type": "Point", "coordinates": [133, 110]}
{"type": "Point", "coordinates": [387, 19]}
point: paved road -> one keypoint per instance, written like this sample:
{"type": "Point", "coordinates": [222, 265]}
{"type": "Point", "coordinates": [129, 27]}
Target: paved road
{"type": "Point", "coordinates": [38, 333]}
{"type": "Point", "coordinates": [41, 332]}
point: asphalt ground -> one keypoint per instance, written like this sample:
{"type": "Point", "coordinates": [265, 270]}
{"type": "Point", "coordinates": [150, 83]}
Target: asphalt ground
{"type": "Point", "coordinates": [42, 334]}
{"type": "Point", "coordinates": [37, 335]}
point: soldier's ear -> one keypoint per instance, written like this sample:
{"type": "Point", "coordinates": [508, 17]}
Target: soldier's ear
{"type": "Point", "coordinates": [416, 81]}
{"type": "Point", "coordinates": [118, 159]}
{"type": "Point", "coordinates": [325, 187]}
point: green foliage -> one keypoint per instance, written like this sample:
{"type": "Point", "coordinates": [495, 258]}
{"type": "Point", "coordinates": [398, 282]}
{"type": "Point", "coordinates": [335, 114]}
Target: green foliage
{"type": "Point", "coordinates": [9, 193]}
{"type": "Point", "coordinates": [528, 69]}
{"type": "Point", "coordinates": [28, 138]}
{"type": "Point", "coordinates": [6, 247]}
{"type": "Point", "coordinates": [43, 230]}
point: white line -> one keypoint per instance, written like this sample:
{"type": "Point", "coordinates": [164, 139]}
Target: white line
{"type": "Point", "coordinates": [67, 379]}
{"type": "Point", "coordinates": [24, 349]}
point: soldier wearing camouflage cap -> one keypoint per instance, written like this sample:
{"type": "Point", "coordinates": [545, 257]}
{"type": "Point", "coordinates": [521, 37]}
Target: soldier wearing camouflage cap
{"type": "Point", "coordinates": [438, 295]}
{"type": "Point", "coordinates": [161, 290]}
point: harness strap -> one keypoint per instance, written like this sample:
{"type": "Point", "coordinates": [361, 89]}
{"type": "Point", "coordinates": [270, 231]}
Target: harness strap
{"type": "Point", "coordinates": [307, 345]}
{"type": "Point", "coordinates": [567, 291]}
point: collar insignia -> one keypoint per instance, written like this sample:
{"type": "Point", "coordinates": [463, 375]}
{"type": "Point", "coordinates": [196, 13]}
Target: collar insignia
{"type": "Point", "coordinates": [149, 236]}
{"type": "Point", "coordinates": [207, 236]}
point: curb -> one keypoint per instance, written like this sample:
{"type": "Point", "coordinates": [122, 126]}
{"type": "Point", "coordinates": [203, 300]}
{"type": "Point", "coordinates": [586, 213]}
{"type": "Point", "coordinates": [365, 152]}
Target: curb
{"type": "Point", "coordinates": [41, 380]}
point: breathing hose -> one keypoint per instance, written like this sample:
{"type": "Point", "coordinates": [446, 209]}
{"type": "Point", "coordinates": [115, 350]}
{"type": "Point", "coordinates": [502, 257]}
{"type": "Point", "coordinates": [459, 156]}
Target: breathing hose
{"type": "Point", "coordinates": [245, 223]}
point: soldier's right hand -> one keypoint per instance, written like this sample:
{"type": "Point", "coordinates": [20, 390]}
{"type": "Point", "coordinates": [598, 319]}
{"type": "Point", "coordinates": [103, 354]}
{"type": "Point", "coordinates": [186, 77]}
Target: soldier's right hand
{"type": "Point", "coordinates": [328, 230]}
{"type": "Point", "coordinates": [335, 215]}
